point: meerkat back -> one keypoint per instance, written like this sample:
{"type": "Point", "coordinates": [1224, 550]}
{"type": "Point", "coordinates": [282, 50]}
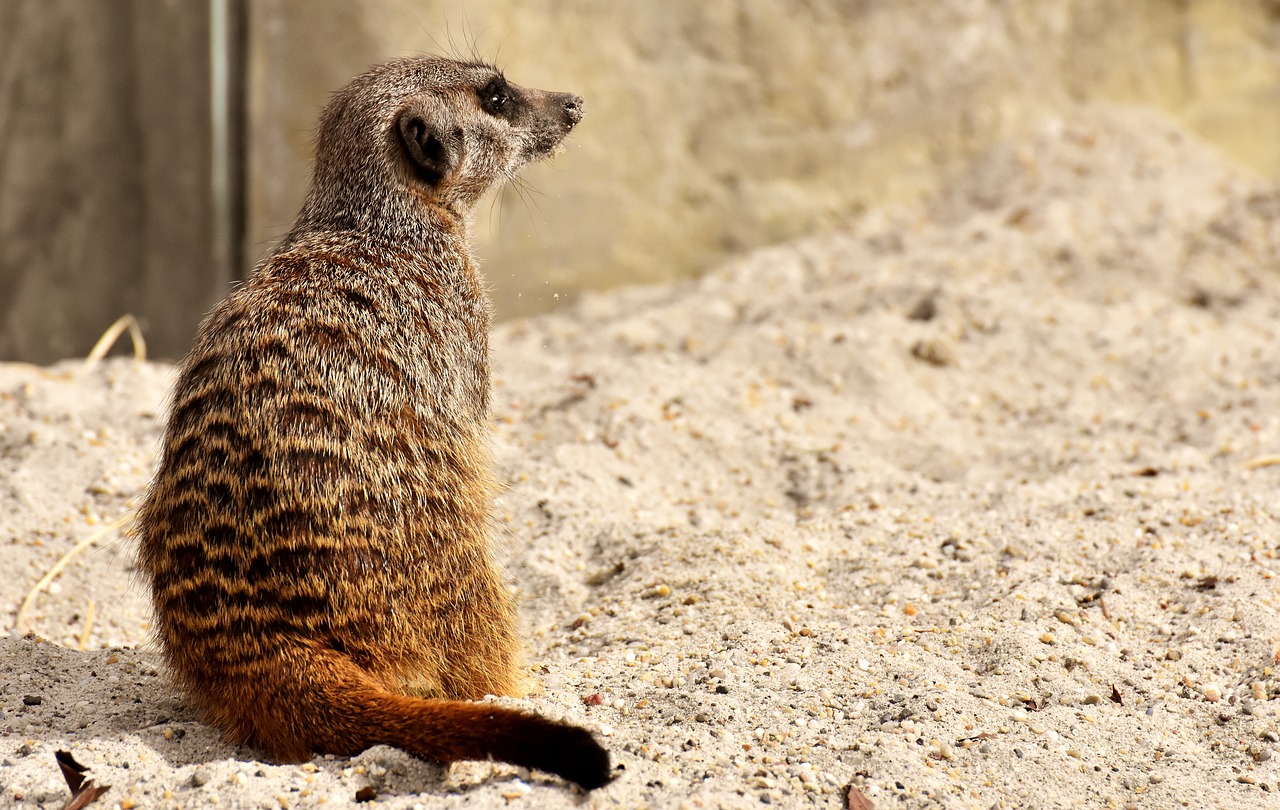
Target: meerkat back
{"type": "Point", "coordinates": [316, 534]}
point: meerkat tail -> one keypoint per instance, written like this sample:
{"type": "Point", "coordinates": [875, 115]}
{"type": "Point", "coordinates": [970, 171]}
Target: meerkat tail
{"type": "Point", "coordinates": [449, 730]}
{"type": "Point", "coordinates": [341, 710]}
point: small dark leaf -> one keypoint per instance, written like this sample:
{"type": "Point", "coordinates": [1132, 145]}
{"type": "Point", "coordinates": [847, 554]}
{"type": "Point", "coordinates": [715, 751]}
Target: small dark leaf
{"type": "Point", "coordinates": [1116, 697]}
{"type": "Point", "coordinates": [86, 796]}
{"type": "Point", "coordinates": [854, 800]}
{"type": "Point", "coordinates": [72, 771]}
{"type": "Point", "coordinates": [83, 791]}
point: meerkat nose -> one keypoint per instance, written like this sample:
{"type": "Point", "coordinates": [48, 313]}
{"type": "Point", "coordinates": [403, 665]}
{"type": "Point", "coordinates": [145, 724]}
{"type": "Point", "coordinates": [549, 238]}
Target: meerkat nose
{"type": "Point", "coordinates": [573, 108]}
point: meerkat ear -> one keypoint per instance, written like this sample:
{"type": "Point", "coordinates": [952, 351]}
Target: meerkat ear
{"type": "Point", "coordinates": [434, 152]}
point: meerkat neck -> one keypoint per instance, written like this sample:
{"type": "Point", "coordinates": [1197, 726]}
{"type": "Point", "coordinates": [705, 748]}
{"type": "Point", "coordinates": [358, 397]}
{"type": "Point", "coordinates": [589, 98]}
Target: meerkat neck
{"type": "Point", "coordinates": [414, 227]}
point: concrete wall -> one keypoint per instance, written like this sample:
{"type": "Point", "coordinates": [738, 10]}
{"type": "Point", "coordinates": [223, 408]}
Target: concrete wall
{"type": "Point", "coordinates": [711, 128]}
{"type": "Point", "coordinates": [715, 127]}
{"type": "Point", "coordinates": [105, 200]}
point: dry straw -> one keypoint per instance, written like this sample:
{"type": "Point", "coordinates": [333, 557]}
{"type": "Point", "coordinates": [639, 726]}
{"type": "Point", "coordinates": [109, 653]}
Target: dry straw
{"type": "Point", "coordinates": [23, 612]}
{"type": "Point", "coordinates": [99, 351]}
{"type": "Point", "coordinates": [109, 338]}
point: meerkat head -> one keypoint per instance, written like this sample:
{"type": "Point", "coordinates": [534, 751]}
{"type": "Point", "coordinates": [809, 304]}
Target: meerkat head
{"type": "Point", "coordinates": [427, 131]}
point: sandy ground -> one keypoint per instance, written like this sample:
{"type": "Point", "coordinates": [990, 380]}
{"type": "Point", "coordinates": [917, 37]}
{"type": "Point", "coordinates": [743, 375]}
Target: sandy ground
{"type": "Point", "coordinates": [972, 505]}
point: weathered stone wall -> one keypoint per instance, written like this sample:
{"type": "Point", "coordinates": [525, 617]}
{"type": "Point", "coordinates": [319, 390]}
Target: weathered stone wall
{"type": "Point", "coordinates": [105, 196]}
{"type": "Point", "coordinates": [716, 127]}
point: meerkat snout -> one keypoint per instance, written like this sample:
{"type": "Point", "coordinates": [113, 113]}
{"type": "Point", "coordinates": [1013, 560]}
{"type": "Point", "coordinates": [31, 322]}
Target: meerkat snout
{"type": "Point", "coordinates": [573, 109]}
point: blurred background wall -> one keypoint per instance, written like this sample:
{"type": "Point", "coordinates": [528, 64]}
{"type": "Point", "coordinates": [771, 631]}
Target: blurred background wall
{"type": "Point", "coordinates": [152, 150]}
{"type": "Point", "coordinates": [107, 201]}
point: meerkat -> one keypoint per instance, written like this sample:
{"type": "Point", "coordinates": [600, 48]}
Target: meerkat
{"type": "Point", "coordinates": [316, 536]}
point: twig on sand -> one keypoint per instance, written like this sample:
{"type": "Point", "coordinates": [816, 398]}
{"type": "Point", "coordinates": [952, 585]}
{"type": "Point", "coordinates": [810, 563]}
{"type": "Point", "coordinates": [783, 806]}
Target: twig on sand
{"type": "Point", "coordinates": [109, 338]}
{"type": "Point", "coordinates": [21, 621]}
{"type": "Point", "coordinates": [89, 610]}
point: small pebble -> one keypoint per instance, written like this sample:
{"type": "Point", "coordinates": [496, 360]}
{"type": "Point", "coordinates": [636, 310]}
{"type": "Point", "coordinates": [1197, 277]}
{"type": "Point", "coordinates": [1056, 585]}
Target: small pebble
{"type": "Point", "coordinates": [32, 700]}
{"type": "Point", "coordinates": [200, 777]}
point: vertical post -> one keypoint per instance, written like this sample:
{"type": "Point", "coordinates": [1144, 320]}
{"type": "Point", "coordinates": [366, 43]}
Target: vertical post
{"type": "Point", "coordinates": [226, 98]}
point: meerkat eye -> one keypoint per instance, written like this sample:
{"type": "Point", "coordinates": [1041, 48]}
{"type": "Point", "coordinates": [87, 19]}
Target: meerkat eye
{"type": "Point", "coordinates": [495, 98]}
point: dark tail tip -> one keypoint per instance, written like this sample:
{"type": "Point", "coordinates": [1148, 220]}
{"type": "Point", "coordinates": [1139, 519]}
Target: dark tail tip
{"type": "Point", "coordinates": [567, 751]}
{"type": "Point", "coordinates": [573, 754]}
{"type": "Point", "coordinates": [449, 731]}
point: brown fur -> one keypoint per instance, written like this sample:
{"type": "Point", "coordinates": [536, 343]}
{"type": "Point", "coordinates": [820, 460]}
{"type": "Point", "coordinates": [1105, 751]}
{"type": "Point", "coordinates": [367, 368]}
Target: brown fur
{"type": "Point", "coordinates": [316, 536]}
